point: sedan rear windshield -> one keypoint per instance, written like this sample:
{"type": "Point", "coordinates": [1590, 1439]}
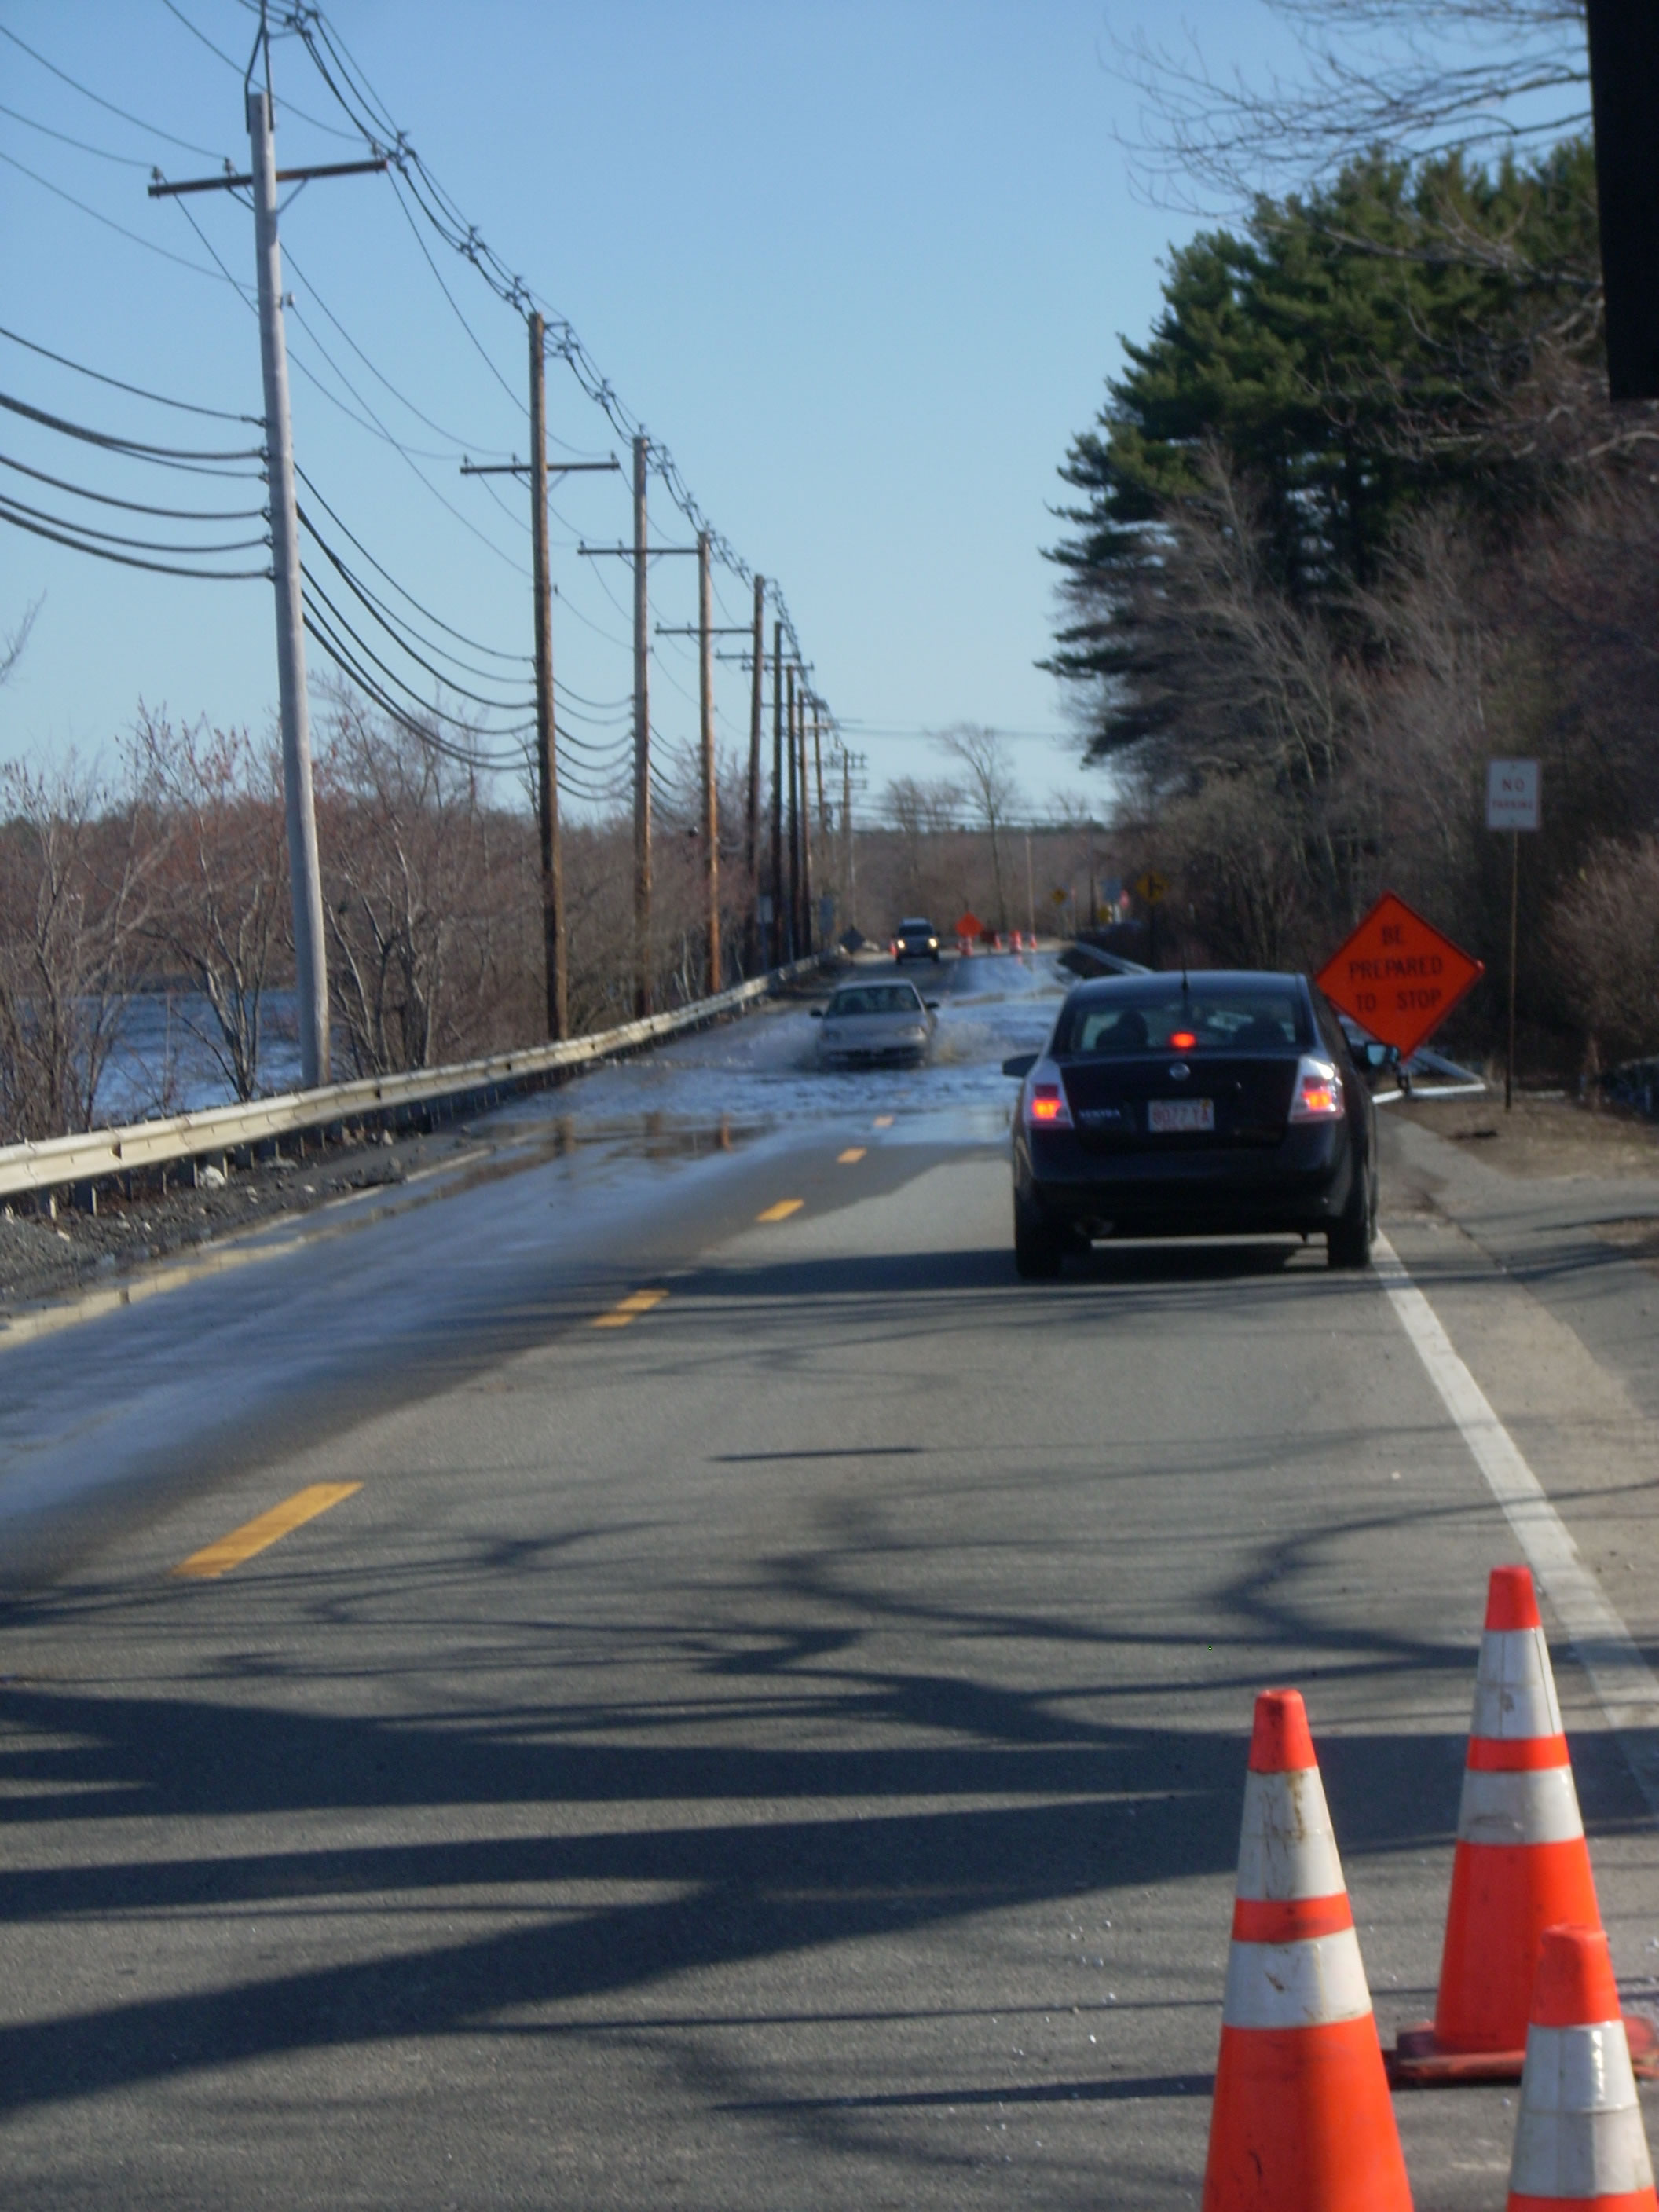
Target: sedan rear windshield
{"type": "Point", "coordinates": [1231, 1017]}
{"type": "Point", "coordinates": [877, 998]}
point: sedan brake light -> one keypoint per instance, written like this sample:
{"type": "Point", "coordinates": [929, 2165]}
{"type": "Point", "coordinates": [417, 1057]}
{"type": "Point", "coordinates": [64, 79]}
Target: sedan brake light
{"type": "Point", "coordinates": [1046, 1107]}
{"type": "Point", "coordinates": [1318, 1096]}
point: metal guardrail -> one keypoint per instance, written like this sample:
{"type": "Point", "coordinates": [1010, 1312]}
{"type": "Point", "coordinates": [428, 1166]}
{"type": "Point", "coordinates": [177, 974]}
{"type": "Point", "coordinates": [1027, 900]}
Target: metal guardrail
{"type": "Point", "coordinates": [64, 1162]}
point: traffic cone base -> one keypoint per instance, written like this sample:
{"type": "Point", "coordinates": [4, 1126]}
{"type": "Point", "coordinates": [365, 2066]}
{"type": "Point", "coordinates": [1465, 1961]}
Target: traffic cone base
{"type": "Point", "coordinates": [1344, 2149]}
{"type": "Point", "coordinates": [1301, 2120]}
{"type": "Point", "coordinates": [1580, 2145]}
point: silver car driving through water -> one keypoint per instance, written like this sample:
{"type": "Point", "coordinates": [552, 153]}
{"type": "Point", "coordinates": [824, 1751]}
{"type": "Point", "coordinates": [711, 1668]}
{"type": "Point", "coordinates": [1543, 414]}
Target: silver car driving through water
{"type": "Point", "coordinates": [866, 1023]}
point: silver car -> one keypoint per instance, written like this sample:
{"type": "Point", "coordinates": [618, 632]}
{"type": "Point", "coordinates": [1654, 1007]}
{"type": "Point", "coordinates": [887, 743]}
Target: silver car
{"type": "Point", "coordinates": [866, 1022]}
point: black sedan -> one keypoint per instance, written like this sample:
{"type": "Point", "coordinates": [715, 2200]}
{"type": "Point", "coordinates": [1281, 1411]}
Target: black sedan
{"type": "Point", "coordinates": [1188, 1105]}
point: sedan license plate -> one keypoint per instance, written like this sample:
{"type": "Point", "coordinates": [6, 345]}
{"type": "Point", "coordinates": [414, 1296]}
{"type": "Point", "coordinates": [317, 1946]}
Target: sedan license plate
{"type": "Point", "coordinates": [1168, 1117]}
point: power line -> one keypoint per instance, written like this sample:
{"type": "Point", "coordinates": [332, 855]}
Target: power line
{"type": "Point", "coordinates": [493, 652]}
{"type": "Point", "coordinates": [81, 145]}
{"type": "Point", "coordinates": [336, 66]}
{"type": "Point", "coordinates": [367, 601]}
{"type": "Point", "coordinates": [351, 138]}
{"type": "Point", "coordinates": [139, 544]}
{"type": "Point", "coordinates": [185, 406]}
{"type": "Point", "coordinates": [127, 559]}
{"type": "Point", "coordinates": [461, 445]}
{"type": "Point", "coordinates": [137, 506]}
{"type": "Point", "coordinates": [108, 222]}
{"type": "Point", "coordinates": [154, 129]}
{"type": "Point", "coordinates": [171, 456]}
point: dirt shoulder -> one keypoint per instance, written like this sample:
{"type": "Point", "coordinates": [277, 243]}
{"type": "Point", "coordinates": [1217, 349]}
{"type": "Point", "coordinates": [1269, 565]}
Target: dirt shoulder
{"type": "Point", "coordinates": [1542, 1135]}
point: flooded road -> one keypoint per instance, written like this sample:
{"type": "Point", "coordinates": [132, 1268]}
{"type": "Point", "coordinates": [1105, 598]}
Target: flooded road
{"type": "Point", "coordinates": [556, 1199]}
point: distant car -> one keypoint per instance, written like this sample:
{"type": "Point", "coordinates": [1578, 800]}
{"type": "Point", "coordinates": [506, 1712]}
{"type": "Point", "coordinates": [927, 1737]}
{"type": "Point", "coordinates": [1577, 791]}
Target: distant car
{"type": "Point", "coordinates": [915, 939]}
{"type": "Point", "coordinates": [868, 1023]}
{"type": "Point", "coordinates": [1206, 1104]}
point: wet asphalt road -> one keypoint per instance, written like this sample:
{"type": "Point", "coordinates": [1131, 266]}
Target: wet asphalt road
{"type": "Point", "coordinates": [783, 1749]}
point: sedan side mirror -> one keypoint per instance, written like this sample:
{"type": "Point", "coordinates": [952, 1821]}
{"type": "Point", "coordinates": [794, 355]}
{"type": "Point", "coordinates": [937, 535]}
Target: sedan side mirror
{"type": "Point", "coordinates": [1021, 1063]}
{"type": "Point", "coordinates": [931, 1005]}
{"type": "Point", "coordinates": [817, 1013]}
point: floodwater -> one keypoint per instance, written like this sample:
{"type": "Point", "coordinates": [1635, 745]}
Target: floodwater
{"type": "Point", "coordinates": [163, 1062]}
{"type": "Point", "coordinates": [745, 1079]}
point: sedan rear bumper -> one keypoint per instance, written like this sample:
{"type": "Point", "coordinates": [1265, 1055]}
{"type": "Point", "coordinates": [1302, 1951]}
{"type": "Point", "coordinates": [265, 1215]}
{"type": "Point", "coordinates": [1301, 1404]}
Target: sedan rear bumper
{"type": "Point", "coordinates": [1301, 1184]}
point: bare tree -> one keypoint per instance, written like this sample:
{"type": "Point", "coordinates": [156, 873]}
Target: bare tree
{"type": "Point", "coordinates": [990, 789]}
{"type": "Point", "coordinates": [1409, 76]}
{"type": "Point", "coordinates": [11, 648]}
{"type": "Point", "coordinates": [74, 877]}
{"type": "Point", "coordinates": [219, 906]}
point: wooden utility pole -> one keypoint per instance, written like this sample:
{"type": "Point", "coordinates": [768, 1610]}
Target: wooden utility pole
{"type": "Point", "coordinates": [751, 842]}
{"type": "Point", "coordinates": [817, 771]}
{"type": "Point", "coordinates": [777, 932]}
{"type": "Point", "coordinates": [808, 929]}
{"type": "Point", "coordinates": [849, 877]}
{"type": "Point", "coordinates": [794, 823]}
{"type": "Point", "coordinates": [711, 810]}
{"type": "Point", "coordinates": [642, 743]}
{"type": "Point", "coordinates": [546, 772]}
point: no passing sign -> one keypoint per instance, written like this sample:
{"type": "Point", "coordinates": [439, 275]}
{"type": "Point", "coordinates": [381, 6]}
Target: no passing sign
{"type": "Point", "coordinates": [1398, 977]}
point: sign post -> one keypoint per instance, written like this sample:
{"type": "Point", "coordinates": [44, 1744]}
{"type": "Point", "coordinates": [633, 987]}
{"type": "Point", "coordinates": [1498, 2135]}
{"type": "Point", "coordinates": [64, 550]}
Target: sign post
{"type": "Point", "coordinates": [1512, 804]}
{"type": "Point", "coordinates": [1154, 889]}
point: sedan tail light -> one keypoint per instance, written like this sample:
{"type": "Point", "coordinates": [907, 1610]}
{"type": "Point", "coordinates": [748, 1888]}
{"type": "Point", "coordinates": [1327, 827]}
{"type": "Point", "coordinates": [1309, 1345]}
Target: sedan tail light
{"type": "Point", "coordinates": [1318, 1095]}
{"type": "Point", "coordinates": [1046, 1107]}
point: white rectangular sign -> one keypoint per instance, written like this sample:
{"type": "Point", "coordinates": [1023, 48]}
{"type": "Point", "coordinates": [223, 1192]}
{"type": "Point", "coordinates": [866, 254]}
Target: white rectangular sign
{"type": "Point", "coordinates": [1512, 794]}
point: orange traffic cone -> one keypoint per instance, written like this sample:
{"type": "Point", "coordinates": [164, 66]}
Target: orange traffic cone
{"type": "Point", "coordinates": [1522, 1864]}
{"type": "Point", "coordinates": [1579, 2141]}
{"type": "Point", "coordinates": [1301, 2118]}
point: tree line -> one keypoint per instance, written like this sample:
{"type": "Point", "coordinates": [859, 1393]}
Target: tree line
{"type": "Point", "coordinates": [1356, 518]}
{"type": "Point", "coordinates": [170, 874]}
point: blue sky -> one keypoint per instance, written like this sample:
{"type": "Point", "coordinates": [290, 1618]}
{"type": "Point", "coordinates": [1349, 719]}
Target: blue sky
{"type": "Point", "coordinates": [862, 267]}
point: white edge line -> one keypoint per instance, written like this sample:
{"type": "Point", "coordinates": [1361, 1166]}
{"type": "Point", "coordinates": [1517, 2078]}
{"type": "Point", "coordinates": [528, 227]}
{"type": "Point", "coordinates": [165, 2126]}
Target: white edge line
{"type": "Point", "coordinates": [1626, 1687]}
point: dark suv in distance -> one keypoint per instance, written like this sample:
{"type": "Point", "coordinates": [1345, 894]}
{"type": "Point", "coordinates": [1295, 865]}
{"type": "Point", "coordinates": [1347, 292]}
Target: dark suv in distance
{"type": "Point", "coordinates": [915, 939]}
{"type": "Point", "coordinates": [1221, 1104]}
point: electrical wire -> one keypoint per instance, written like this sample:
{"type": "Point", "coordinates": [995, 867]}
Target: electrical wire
{"type": "Point", "coordinates": [391, 674]}
{"type": "Point", "coordinates": [439, 674]}
{"type": "Point", "coordinates": [153, 129]}
{"type": "Point", "coordinates": [128, 560]}
{"type": "Point", "coordinates": [191, 457]}
{"type": "Point", "coordinates": [138, 544]}
{"type": "Point", "coordinates": [184, 406]}
{"type": "Point", "coordinates": [351, 89]}
{"type": "Point", "coordinates": [109, 224]}
{"type": "Point", "coordinates": [468, 757]}
{"type": "Point", "coordinates": [495, 653]}
{"type": "Point", "coordinates": [460, 445]}
{"type": "Point", "coordinates": [81, 145]}
{"type": "Point", "coordinates": [138, 506]}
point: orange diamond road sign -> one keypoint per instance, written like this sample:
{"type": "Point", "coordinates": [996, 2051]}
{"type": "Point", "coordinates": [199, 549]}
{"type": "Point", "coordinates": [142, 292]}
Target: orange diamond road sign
{"type": "Point", "coordinates": [968, 925]}
{"type": "Point", "coordinates": [1397, 976]}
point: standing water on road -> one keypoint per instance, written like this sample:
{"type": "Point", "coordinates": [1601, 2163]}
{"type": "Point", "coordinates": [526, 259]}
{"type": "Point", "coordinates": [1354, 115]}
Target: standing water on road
{"type": "Point", "coordinates": [761, 1072]}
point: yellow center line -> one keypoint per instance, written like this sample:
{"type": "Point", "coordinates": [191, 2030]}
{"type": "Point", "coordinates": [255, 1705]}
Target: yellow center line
{"type": "Point", "coordinates": [254, 1535]}
{"type": "Point", "coordinates": [884, 1121]}
{"type": "Point", "coordinates": [629, 1308]}
{"type": "Point", "coordinates": [847, 1158]}
{"type": "Point", "coordinates": [782, 1210]}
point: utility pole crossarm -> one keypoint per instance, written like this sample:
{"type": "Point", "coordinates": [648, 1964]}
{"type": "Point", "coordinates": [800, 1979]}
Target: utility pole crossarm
{"type": "Point", "coordinates": [612, 467]}
{"type": "Point", "coordinates": [159, 189]}
{"type": "Point", "coordinates": [630, 552]}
